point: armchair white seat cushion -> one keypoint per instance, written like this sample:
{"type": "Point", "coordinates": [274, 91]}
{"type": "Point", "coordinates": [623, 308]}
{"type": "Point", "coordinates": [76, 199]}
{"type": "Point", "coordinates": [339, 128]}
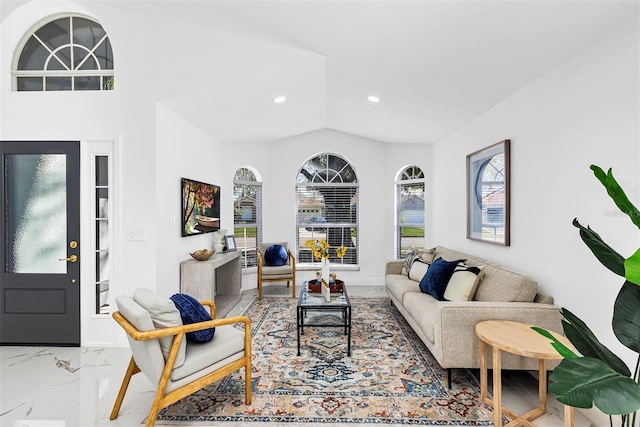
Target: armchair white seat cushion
{"type": "Point", "coordinates": [227, 346]}
{"type": "Point", "coordinates": [283, 271]}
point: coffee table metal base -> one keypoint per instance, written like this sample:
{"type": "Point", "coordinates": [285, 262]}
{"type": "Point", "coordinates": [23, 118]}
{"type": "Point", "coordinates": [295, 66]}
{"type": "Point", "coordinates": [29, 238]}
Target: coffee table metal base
{"type": "Point", "coordinates": [313, 303]}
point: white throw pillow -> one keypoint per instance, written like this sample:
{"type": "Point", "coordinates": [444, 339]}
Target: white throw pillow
{"type": "Point", "coordinates": [418, 270]}
{"type": "Point", "coordinates": [463, 283]}
{"type": "Point", "coordinates": [164, 314]}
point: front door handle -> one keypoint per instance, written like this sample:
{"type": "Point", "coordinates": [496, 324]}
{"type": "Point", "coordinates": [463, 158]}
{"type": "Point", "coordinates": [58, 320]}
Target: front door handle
{"type": "Point", "coordinates": [72, 258]}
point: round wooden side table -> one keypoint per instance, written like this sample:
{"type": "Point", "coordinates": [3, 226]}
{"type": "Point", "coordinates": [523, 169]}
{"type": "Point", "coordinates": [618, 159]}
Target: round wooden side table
{"type": "Point", "coordinates": [517, 338]}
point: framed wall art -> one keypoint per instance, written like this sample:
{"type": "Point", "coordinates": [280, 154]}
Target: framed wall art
{"type": "Point", "coordinates": [200, 207]}
{"type": "Point", "coordinates": [488, 191]}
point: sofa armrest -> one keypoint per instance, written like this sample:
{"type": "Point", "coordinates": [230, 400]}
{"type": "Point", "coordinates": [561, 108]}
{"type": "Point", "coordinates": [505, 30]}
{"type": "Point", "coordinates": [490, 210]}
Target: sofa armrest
{"type": "Point", "coordinates": [394, 267]}
{"type": "Point", "coordinates": [456, 322]}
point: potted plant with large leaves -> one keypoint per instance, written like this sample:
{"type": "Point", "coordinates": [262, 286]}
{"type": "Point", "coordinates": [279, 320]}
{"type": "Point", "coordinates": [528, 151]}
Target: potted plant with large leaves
{"type": "Point", "coordinates": [597, 376]}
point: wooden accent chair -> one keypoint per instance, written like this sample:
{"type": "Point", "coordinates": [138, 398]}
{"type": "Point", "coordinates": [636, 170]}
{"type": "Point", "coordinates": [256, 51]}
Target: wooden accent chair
{"type": "Point", "coordinates": [228, 351]}
{"type": "Point", "coordinates": [282, 273]}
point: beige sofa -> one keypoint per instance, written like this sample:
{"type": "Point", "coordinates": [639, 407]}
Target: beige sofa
{"type": "Point", "coordinates": [448, 327]}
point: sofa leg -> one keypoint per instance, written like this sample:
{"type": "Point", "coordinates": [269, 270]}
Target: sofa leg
{"type": "Point", "coordinates": [449, 377]}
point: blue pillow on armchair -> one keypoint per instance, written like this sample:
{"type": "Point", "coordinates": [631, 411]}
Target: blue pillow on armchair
{"type": "Point", "coordinates": [192, 311]}
{"type": "Point", "coordinates": [435, 280]}
{"type": "Point", "coordinates": [276, 255]}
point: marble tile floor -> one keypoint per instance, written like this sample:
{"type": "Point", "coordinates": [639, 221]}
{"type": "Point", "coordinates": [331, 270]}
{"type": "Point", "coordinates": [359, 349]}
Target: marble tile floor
{"type": "Point", "coordinates": [63, 386]}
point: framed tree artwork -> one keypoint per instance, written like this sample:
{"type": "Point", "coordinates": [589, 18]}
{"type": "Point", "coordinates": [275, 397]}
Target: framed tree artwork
{"type": "Point", "coordinates": [200, 207]}
{"type": "Point", "coordinates": [488, 186]}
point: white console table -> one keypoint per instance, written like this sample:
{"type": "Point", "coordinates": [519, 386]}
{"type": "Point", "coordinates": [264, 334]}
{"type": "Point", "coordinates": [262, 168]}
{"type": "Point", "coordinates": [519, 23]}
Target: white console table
{"type": "Point", "coordinates": [218, 279]}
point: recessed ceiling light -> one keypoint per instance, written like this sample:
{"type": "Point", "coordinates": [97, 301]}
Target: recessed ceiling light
{"type": "Point", "coordinates": [279, 99]}
{"type": "Point", "coordinates": [373, 98]}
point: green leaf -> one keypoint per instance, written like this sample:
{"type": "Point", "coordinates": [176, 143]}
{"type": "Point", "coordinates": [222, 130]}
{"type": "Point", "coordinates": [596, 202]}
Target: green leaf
{"type": "Point", "coordinates": [603, 252]}
{"type": "Point", "coordinates": [626, 316]}
{"type": "Point", "coordinates": [632, 268]}
{"type": "Point", "coordinates": [562, 349]}
{"type": "Point", "coordinates": [617, 194]}
{"type": "Point", "coordinates": [588, 345]}
{"type": "Point", "coordinates": [599, 173]}
{"type": "Point", "coordinates": [585, 381]}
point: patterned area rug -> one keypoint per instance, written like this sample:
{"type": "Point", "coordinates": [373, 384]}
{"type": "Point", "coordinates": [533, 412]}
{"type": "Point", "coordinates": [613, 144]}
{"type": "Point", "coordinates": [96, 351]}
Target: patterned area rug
{"type": "Point", "coordinates": [390, 379]}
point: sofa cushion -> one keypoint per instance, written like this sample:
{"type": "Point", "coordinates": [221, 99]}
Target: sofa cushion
{"type": "Point", "coordinates": [418, 270]}
{"type": "Point", "coordinates": [192, 311]}
{"type": "Point", "coordinates": [500, 284]}
{"type": "Point", "coordinates": [399, 284]}
{"type": "Point", "coordinates": [435, 280]}
{"type": "Point", "coordinates": [422, 307]}
{"type": "Point", "coordinates": [164, 314]}
{"type": "Point", "coordinates": [413, 254]}
{"type": "Point", "coordinates": [463, 283]}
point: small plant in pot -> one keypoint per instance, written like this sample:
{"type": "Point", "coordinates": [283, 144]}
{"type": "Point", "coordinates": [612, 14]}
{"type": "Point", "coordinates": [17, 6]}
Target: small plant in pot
{"type": "Point", "coordinates": [597, 376]}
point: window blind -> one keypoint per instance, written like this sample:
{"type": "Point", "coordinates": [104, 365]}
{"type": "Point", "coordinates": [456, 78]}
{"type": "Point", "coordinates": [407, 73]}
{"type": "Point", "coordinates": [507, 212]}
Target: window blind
{"type": "Point", "coordinates": [247, 219]}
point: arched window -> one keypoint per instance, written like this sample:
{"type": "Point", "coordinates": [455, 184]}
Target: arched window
{"type": "Point", "coordinates": [70, 53]}
{"type": "Point", "coordinates": [327, 208]}
{"type": "Point", "coordinates": [410, 210]}
{"type": "Point", "coordinates": [247, 215]}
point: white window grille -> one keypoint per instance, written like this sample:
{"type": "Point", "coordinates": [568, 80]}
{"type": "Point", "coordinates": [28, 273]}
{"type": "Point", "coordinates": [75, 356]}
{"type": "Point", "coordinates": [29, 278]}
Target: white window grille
{"type": "Point", "coordinates": [66, 54]}
{"type": "Point", "coordinates": [101, 191]}
{"type": "Point", "coordinates": [327, 208]}
{"type": "Point", "coordinates": [410, 210]}
{"type": "Point", "coordinates": [247, 215]}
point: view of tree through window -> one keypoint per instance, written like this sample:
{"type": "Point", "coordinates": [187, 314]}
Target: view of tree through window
{"type": "Point", "coordinates": [327, 207]}
{"type": "Point", "coordinates": [410, 214]}
{"type": "Point", "coordinates": [247, 215]}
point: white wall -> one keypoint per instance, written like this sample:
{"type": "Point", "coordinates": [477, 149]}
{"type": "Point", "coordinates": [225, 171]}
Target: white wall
{"type": "Point", "coordinates": [584, 112]}
{"type": "Point", "coordinates": [182, 152]}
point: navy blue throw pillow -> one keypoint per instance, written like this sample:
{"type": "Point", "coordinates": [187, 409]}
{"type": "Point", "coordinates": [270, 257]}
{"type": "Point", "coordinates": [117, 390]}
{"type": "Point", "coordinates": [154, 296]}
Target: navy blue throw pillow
{"type": "Point", "coordinates": [435, 280]}
{"type": "Point", "coordinates": [275, 255]}
{"type": "Point", "coordinates": [192, 311]}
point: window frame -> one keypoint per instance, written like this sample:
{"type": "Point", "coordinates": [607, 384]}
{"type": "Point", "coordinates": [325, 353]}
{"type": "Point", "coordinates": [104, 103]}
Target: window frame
{"type": "Point", "coordinates": [311, 178]}
{"type": "Point", "coordinates": [249, 262]}
{"type": "Point", "coordinates": [105, 75]}
{"type": "Point", "coordinates": [409, 176]}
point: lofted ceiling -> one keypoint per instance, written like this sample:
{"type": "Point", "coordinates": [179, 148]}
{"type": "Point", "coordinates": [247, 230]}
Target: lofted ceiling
{"type": "Point", "coordinates": [435, 64]}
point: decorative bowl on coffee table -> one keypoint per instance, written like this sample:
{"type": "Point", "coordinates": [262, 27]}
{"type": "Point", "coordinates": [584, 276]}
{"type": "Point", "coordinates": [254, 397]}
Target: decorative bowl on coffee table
{"type": "Point", "coordinates": [315, 286]}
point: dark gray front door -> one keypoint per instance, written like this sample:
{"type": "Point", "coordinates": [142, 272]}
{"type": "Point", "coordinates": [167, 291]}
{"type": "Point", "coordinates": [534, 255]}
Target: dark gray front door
{"type": "Point", "coordinates": [40, 275]}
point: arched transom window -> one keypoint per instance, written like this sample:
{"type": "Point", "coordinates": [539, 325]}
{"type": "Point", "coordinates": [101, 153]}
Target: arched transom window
{"type": "Point", "coordinates": [66, 54]}
{"type": "Point", "coordinates": [410, 210]}
{"type": "Point", "coordinates": [327, 208]}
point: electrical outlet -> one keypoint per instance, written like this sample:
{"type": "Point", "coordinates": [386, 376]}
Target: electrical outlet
{"type": "Point", "coordinates": [135, 234]}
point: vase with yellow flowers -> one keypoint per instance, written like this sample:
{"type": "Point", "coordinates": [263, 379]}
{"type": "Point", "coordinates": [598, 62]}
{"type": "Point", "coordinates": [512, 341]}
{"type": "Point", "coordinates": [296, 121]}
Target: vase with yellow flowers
{"type": "Point", "coordinates": [321, 250]}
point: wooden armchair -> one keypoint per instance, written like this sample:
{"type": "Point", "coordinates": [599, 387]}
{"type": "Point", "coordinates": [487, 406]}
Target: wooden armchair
{"type": "Point", "coordinates": [228, 351]}
{"type": "Point", "coordinates": [283, 273]}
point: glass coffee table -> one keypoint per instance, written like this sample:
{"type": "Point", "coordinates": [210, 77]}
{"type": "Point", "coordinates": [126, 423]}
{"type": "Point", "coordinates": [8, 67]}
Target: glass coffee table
{"type": "Point", "coordinates": [314, 311]}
